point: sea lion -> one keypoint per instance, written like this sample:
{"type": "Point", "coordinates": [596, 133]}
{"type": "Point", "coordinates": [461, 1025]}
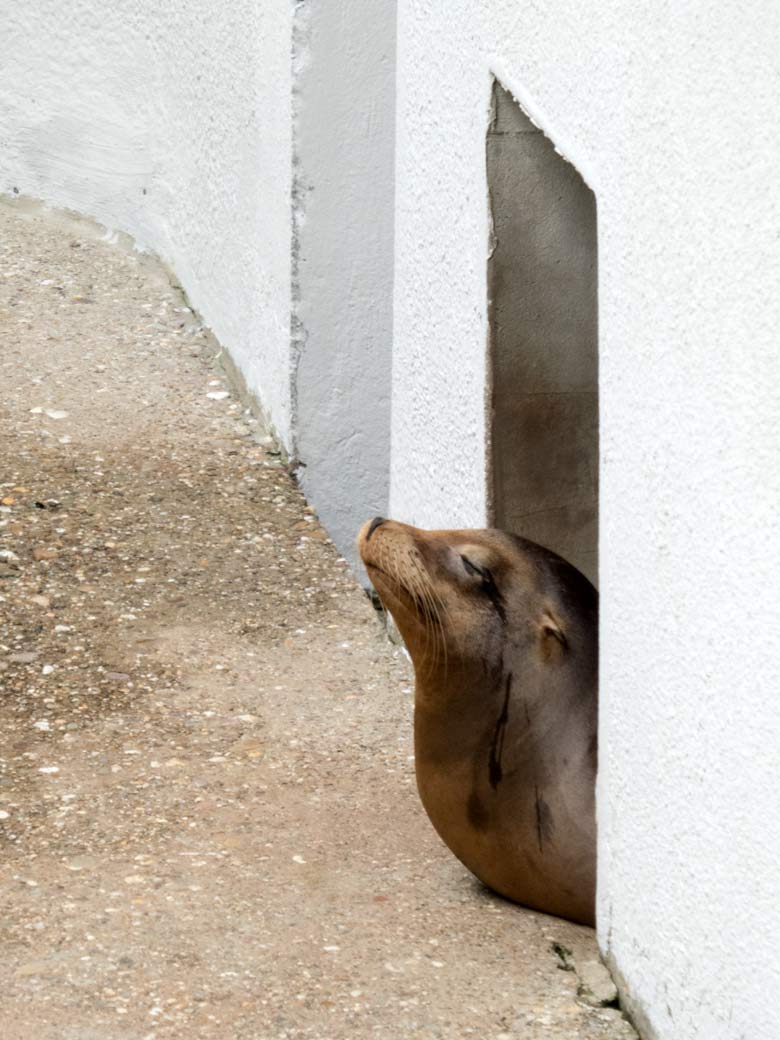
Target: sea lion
{"type": "Point", "coordinates": [503, 634]}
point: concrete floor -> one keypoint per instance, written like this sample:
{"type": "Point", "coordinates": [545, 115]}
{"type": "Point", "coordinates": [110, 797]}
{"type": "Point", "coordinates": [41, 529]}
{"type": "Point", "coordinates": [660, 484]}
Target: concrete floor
{"type": "Point", "coordinates": [208, 814]}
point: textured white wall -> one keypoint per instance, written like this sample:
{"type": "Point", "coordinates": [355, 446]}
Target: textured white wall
{"type": "Point", "coordinates": [343, 271]}
{"type": "Point", "coordinates": [670, 113]}
{"type": "Point", "coordinates": [170, 122]}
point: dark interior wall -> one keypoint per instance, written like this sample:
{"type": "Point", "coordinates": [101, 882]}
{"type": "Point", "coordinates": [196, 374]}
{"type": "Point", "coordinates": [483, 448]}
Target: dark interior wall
{"type": "Point", "coordinates": [542, 282]}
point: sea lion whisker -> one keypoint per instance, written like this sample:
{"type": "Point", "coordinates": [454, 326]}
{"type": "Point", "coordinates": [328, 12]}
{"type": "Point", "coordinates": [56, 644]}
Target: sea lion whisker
{"type": "Point", "coordinates": [418, 585]}
{"type": "Point", "coordinates": [429, 603]}
{"type": "Point", "coordinates": [443, 609]}
{"type": "Point", "coordinates": [389, 568]}
{"type": "Point", "coordinates": [433, 615]}
{"type": "Point", "coordinates": [436, 609]}
{"type": "Point", "coordinates": [435, 642]}
{"type": "Point", "coordinates": [421, 602]}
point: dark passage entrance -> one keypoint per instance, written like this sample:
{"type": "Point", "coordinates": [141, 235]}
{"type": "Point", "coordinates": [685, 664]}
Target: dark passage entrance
{"type": "Point", "coordinates": [542, 283]}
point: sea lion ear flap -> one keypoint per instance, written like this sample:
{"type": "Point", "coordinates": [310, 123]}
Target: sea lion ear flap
{"type": "Point", "coordinates": [552, 639]}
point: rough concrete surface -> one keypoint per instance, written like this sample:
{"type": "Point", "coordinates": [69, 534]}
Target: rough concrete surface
{"type": "Point", "coordinates": [207, 804]}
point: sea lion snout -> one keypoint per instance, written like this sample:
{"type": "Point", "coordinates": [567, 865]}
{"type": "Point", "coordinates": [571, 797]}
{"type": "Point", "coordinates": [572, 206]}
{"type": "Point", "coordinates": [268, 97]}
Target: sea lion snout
{"type": "Point", "coordinates": [372, 548]}
{"type": "Point", "coordinates": [376, 522]}
{"type": "Point", "coordinates": [402, 550]}
{"type": "Point", "coordinates": [365, 533]}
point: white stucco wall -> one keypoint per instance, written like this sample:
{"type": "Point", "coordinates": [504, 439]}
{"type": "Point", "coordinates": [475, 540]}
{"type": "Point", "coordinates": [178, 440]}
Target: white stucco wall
{"type": "Point", "coordinates": [670, 113]}
{"type": "Point", "coordinates": [344, 135]}
{"type": "Point", "coordinates": [170, 122]}
{"type": "Point", "coordinates": [174, 123]}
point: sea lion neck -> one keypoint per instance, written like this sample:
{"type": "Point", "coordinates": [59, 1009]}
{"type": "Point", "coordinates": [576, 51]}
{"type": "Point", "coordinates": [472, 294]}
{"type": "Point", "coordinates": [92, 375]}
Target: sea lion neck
{"type": "Point", "coordinates": [447, 716]}
{"type": "Point", "coordinates": [456, 695]}
{"type": "Point", "coordinates": [454, 680]}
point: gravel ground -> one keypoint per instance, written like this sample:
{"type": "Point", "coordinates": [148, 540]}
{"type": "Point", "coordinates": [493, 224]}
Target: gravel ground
{"type": "Point", "coordinates": [207, 805]}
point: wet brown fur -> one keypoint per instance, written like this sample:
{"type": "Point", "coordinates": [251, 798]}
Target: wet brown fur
{"type": "Point", "coordinates": [503, 635]}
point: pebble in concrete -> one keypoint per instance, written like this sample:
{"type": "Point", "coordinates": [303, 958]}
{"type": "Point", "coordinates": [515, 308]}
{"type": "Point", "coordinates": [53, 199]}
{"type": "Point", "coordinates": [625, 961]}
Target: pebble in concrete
{"type": "Point", "coordinates": [596, 986]}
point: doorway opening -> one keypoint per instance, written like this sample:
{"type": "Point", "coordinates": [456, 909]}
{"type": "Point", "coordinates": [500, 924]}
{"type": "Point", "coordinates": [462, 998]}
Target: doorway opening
{"type": "Point", "coordinates": [542, 285]}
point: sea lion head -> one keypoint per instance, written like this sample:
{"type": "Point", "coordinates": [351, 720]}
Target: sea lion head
{"type": "Point", "coordinates": [468, 600]}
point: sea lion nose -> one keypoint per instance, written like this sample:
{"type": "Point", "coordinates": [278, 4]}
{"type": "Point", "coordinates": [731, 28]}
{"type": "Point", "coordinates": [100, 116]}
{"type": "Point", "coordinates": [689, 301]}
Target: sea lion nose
{"type": "Point", "coordinates": [376, 522]}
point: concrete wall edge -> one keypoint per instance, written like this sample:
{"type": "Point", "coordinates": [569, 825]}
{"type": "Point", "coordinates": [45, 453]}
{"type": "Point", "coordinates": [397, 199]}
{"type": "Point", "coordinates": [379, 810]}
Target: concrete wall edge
{"type": "Point", "coordinates": [541, 118]}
